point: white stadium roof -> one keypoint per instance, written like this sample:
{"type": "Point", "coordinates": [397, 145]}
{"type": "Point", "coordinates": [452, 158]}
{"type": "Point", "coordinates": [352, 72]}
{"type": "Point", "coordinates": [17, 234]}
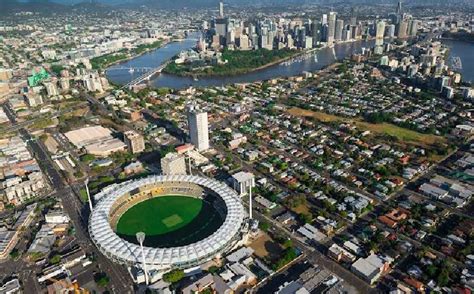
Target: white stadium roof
{"type": "Point", "coordinates": [123, 251]}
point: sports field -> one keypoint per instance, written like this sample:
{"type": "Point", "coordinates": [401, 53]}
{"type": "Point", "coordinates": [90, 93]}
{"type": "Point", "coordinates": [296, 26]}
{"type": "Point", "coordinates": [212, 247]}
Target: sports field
{"type": "Point", "coordinates": [159, 215]}
{"type": "Point", "coordinates": [169, 221]}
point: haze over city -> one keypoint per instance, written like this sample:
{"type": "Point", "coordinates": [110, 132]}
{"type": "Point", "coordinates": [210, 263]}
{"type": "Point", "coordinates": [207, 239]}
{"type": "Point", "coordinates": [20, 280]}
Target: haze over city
{"type": "Point", "coordinates": [232, 146]}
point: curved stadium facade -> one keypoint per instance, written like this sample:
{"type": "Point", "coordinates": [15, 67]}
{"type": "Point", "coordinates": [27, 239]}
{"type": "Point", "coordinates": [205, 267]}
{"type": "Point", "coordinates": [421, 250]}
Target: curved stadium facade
{"type": "Point", "coordinates": [114, 202]}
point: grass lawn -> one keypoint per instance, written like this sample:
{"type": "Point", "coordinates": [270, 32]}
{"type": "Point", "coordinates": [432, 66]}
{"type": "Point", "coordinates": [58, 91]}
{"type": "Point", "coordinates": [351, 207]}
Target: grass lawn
{"type": "Point", "coordinates": [159, 215]}
{"type": "Point", "coordinates": [405, 135]}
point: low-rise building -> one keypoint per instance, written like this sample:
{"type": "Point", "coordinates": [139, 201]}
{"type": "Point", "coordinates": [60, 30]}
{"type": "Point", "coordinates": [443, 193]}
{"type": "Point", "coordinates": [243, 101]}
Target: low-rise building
{"type": "Point", "coordinates": [372, 267]}
{"type": "Point", "coordinates": [173, 164]}
{"type": "Point", "coordinates": [135, 142]}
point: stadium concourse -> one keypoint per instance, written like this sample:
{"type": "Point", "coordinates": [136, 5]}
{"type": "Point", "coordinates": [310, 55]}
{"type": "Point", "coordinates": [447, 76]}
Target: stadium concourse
{"type": "Point", "coordinates": [116, 201]}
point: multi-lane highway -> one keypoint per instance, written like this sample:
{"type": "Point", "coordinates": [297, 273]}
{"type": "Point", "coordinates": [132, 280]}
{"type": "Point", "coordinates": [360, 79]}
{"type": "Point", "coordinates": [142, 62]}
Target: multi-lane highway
{"type": "Point", "coordinates": [120, 278]}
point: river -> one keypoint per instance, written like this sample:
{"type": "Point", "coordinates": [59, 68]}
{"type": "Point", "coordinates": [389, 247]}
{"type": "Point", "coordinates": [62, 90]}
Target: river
{"type": "Point", "coordinates": [465, 51]}
{"type": "Point", "coordinates": [119, 73]}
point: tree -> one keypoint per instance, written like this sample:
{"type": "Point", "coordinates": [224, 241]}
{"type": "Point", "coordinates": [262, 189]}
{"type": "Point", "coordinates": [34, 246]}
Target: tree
{"type": "Point", "coordinates": [173, 276]}
{"type": "Point", "coordinates": [443, 278]}
{"type": "Point", "coordinates": [287, 243]}
{"type": "Point", "coordinates": [213, 269]}
{"type": "Point", "coordinates": [165, 150]}
{"type": "Point", "coordinates": [101, 279]}
{"type": "Point", "coordinates": [305, 217]}
{"type": "Point", "coordinates": [431, 270]}
{"type": "Point", "coordinates": [55, 259]}
{"type": "Point", "coordinates": [264, 226]}
{"type": "Point", "coordinates": [288, 256]}
{"type": "Point", "coordinates": [14, 254]}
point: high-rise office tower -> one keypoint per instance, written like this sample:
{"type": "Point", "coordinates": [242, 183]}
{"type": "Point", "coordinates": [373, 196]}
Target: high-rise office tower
{"type": "Point", "coordinates": [402, 29]}
{"type": "Point", "coordinates": [316, 31]}
{"type": "Point", "coordinates": [198, 128]}
{"type": "Point", "coordinates": [390, 31]}
{"type": "Point", "coordinates": [324, 19]}
{"type": "Point", "coordinates": [221, 27]}
{"type": "Point", "coordinates": [353, 20]}
{"type": "Point", "coordinates": [399, 7]}
{"type": "Point", "coordinates": [243, 42]}
{"type": "Point", "coordinates": [346, 33]}
{"type": "Point", "coordinates": [380, 29]}
{"type": "Point", "coordinates": [221, 9]}
{"type": "Point", "coordinates": [413, 27]}
{"type": "Point", "coordinates": [301, 37]}
{"type": "Point", "coordinates": [331, 27]}
{"type": "Point", "coordinates": [339, 29]}
{"type": "Point", "coordinates": [134, 141]}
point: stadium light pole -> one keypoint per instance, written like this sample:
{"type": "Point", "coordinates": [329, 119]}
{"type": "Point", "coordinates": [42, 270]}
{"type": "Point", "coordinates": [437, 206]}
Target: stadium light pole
{"type": "Point", "coordinates": [250, 200]}
{"type": "Point", "coordinates": [140, 238]}
{"type": "Point", "coordinates": [88, 195]}
{"type": "Point", "coordinates": [189, 163]}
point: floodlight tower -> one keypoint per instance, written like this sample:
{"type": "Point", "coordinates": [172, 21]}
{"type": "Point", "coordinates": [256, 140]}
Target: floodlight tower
{"type": "Point", "coordinates": [140, 238]}
{"type": "Point", "coordinates": [89, 195]}
{"type": "Point", "coordinates": [188, 156]}
{"type": "Point", "coordinates": [250, 199]}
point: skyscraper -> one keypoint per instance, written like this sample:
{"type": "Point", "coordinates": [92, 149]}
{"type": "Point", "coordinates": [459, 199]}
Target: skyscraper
{"type": "Point", "coordinates": [339, 29]}
{"type": "Point", "coordinates": [353, 20]}
{"type": "Point", "coordinates": [221, 9]}
{"type": "Point", "coordinates": [221, 27]}
{"type": "Point", "coordinates": [331, 27]}
{"type": "Point", "coordinates": [413, 27]}
{"type": "Point", "coordinates": [198, 128]}
{"type": "Point", "coordinates": [380, 29]}
{"type": "Point", "coordinates": [390, 31]}
{"type": "Point", "coordinates": [324, 19]}
{"type": "Point", "coordinates": [316, 31]}
{"type": "Point", "coordinates": [399, 7]}
{"type": "Point", "coordinates": [402, 28]}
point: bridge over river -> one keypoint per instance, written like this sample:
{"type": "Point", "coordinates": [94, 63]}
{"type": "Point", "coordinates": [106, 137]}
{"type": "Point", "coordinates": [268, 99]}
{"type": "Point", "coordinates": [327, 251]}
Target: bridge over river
{"type": "Point", "coordinates": [148, 73]}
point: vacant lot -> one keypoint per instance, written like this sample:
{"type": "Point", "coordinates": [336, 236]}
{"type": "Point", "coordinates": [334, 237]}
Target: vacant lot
{"type": "Point", "coordinates": [402, 134]}
{"type": "Point", "coordinates": [265, 247]}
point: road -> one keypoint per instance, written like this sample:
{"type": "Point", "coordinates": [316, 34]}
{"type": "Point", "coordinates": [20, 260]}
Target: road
{"type": "Point", "coordinates": [316, 257]}
{"type": "Point", "coordinates": [121, 281]}
{"type": "Point", "coordinates": [19, 125]}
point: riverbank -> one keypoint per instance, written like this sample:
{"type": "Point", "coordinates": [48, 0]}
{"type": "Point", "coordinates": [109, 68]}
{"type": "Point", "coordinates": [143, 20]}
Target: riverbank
{"type": "Point", "coordinates": [102, 61]}
{"type": "Point", "coordinates": [458, 36]}
{"type": "Point", "coordinates": [238, 63]}
{"type": "Point", "coordinates": [321, 58]}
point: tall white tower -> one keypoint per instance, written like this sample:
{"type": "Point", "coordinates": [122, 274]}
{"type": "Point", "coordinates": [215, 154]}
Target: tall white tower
{"type": "Point", "coordinates": [88, 195]}
{"type": "Point", "coordinates": [221, 9]}
{"type": "Point", "coordinates": [140, 238]}
{"type": "Point", "coordinates": [198, 129]}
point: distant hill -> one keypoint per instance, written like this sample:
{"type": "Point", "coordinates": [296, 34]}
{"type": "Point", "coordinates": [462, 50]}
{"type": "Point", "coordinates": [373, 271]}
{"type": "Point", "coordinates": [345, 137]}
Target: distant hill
{"type": "Point", "coordinates": [45, 6]}
{"type": "Point", "coordinates": [209, 3]}
{"type": "Point", "coordinates": [8, 7]}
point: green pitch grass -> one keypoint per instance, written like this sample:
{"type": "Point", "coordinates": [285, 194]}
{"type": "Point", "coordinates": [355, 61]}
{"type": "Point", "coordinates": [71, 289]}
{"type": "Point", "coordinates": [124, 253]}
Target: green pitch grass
{"type": "Point", "coordinates": [159, 215]}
